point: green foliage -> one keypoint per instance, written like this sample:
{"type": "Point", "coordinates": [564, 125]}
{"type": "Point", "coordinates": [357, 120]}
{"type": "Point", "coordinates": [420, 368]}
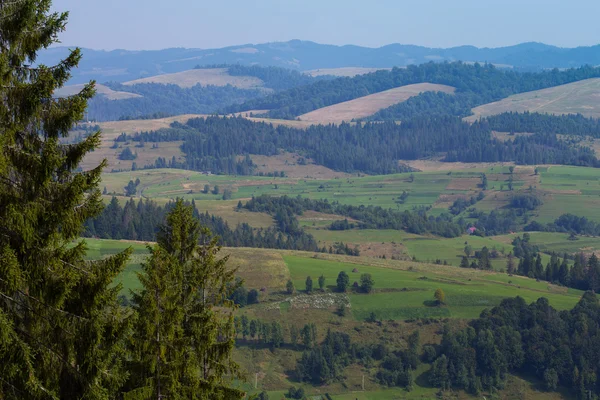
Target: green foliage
{"type": "Point", "coordinates": [533, 339]}
{"type": "Point", "coordinates": [322, 282]}
{"type": "Point", "coordinates": [127, 154]}
{"type": "Point", "coordinates": [61, 327]}
{"type": "Point", "coordinates": [289, 287]}
{"type": "Point", "coordinates": [184, 335]}
{"type": "Point", "coordinates": [440, 296]}
{"type": "Point", "coordinates": [366, 283]}
{"type": "Point", "coordinates": [476, 84]}
{"type": "Point", "coordinates": [309, 284]}
{"type": "Point", "coordinates": [343, 281]}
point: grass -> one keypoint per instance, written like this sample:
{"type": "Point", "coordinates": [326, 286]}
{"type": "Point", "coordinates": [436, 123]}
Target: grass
{"type": "Point", "coordinates": [405, 294]}
{"type": "Point", "coordinates": [549, 242]}
{"type": "Point", "coordinates": [573, 98]}
{"type": "Point", "coordinates": [368, 105]}
{"type": "Point", "coordinates": [204, 77]}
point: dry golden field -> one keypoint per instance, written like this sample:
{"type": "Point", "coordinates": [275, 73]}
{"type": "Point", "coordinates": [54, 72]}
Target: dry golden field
{"type": "Point", "coordinates": [369, 105]}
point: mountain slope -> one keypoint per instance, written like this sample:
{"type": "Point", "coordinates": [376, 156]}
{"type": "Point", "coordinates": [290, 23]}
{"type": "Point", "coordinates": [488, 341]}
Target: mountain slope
{"type": "Point", "coordinates": [124, 65]}
{"type": "Point", "coordinates": [204, 77]}
{"type": "Point", "coordinates": [368, 105]}
{"type": "Point", "coordinates": [581, 97]}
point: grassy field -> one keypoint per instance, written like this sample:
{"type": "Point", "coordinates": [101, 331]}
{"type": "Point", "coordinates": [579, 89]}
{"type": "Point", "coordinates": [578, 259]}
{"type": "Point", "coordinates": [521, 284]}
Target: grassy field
{"type": "Point", "coordinates": [573, 190]}
{"type": "Point", "coordinates": [549, 242]}
{"type": "Point", "coordinates": [404, 289]}
{"type": "Point", "coordinates": [344, 71]}
{"type": "Point", "coordinates": [573, 98]}
{"type": "Point", "coordinates": [204, 77]}
{"type": "Point", "coordinates": [102, 90]}
{"type": "Point", "coordinates": [369, 105]}
{"type": "Point", "coordinates": [146, 154]}
{"type": "Point", "coordinates": [403, 292]}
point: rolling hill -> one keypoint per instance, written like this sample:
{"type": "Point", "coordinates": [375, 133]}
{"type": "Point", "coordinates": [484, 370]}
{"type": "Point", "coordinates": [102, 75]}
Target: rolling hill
{"type": "Point", "coordinates": [123, 65]}
{"type": "Point", "coordinates": [344, 71]}
{"type": "Point", "coordinates": [581, 97]}
{"type": "Point", "coordinates": [369, 105]}
{"type": "Point", "coordinates": [101, 90]}
{"type": "Point", "coordinates": [204, 77]}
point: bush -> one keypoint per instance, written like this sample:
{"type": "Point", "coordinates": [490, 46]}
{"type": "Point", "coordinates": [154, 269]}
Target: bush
{"type": "Point", "coordinates": [366, 283]}
{"type": "Point", "coordinates": [343, 280]}
{"type": "Point", "coordinates": [429, 353]}
{"type": "Point", "coordinates": [253, 296]}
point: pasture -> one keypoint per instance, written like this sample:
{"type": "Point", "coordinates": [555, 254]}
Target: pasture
{"type": "Point", "coordinates": [204, 77]}
{"type": "Point", "coordinates": [343, 71]}
{"type": "Point", "coordinates": [101, 90]}
{"type": "Point", "coordinates": [405, 290]}
{"type": "Point", "coordinates": [368, 105]}
{"type": "Point", "coordinates": [573, 98]}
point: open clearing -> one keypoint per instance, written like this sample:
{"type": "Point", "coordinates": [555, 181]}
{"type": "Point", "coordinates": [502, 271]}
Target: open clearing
{"type": "Point", "coordinates": [369, 105]}
{"type": "Point", "coordinates": [404, 289]}
{"type": "Point", "coordinates": [288, 163]}
{"type": "Point", "coordinates": [100, 90]}
{"type": "Point", "coordinates": [204, 77]}
{"type": "Point", "coordinates": [581, 97]}
{"type": "Point", "coordinates": [344, 71]}
{"type": "Point", "coordinates": [146, 155]}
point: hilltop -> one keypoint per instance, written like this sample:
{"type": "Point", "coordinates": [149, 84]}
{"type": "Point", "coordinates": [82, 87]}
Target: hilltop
{"type": "Point", "coordinates": [124, 65]}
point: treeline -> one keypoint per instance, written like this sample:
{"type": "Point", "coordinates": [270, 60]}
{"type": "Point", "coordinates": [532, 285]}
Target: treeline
{"type": "Point", "coordinates": [274, 77]}
{"type": "Point", "coordinates": [370, 217]}
{"type": "Point", "coordinates": [166, 100]}
{"type": "Point", "coordinates": [475, 84]}
{"type": "Point", "coordinates": [427, 104]}
{"type": "Point", "coordinates": [559, 348]}
{"type": "Point", "coordinates": [583, 275]}
{"type": "Point", "coordinates": [569, 124]}
{"type": "Point", "coordinates": [140, 221]}
{"type": "Point", "coordinates": [568, 223]}
{"type": "Point", "coordinates": [372, 148]}
{"type": "Point", "coordinates": [325, 363]}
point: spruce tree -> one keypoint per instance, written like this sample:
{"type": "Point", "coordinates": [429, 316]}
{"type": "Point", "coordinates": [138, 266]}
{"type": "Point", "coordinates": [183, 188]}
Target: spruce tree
{"type": "Point", "coordinates": [184, 337]}
{"type": "Point", "coordinates": [61, 328]}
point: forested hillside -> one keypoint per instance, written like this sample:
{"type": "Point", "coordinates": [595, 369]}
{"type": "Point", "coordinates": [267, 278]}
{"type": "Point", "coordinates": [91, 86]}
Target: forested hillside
{"type": "Point", "coordinates": [213, 144]}
{"type": "Point", "coordinates": [475, 85]}
{"type": "Point", "coordinates": [174, 98]}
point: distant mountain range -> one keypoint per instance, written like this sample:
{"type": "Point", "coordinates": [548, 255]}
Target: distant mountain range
{"type": "Point", "coordinates": [125, 65]}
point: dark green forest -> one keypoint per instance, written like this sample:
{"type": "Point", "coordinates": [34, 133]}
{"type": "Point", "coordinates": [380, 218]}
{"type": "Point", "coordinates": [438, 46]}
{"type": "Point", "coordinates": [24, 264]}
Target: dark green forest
{"type": "Point", "coordinates": [475, 85]}
{"type": "Point", "coordinates": [559, 348]}
{"type": "Point", "coordinates": [374, 148]}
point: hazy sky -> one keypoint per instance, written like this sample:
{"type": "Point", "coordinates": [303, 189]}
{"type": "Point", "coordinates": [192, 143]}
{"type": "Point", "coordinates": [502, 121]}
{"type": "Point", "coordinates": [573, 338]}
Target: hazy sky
{"type": "Point", "coordinates": [157, 24]}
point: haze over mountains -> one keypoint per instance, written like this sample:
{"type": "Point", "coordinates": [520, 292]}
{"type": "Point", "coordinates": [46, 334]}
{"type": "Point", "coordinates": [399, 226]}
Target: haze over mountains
{"type": "Point", "coordinates": [126, 65]}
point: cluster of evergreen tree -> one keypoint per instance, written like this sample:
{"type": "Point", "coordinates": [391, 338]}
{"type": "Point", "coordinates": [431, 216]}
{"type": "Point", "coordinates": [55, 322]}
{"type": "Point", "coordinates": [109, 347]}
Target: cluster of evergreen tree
{"type": "Point", "coordinates": [556, 347]}
{"type": "Point", "coordinates": [276, 78]}
{"type": "Point", "coordinates": [213, 143]}
{"type": "Point", "coordinates": [569, 124]}
{"type": "Point", "coordinates": [568, 223]}
{"type": "Point", "coordinates": [427, 104]}
{"type": "Point", "coordinates": [140, 221]}
{"type": "Point", "coordinates": [324, 363]}
{"type": "Point", "coordinates": [274, 334]}
{"type": "Point", "coordinates": [370, 217]}
{"type": "Point", "coordinates": [475, 85]}
{"type": "Point", "coordinates": [166, 99]}
{"type": "Point", "coordinates": [271, 334]}
{"type": "Point", "coordinates": [63, 333]}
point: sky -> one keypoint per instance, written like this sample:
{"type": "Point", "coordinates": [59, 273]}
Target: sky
{"type": "Point", "coordinates": [158, 24]}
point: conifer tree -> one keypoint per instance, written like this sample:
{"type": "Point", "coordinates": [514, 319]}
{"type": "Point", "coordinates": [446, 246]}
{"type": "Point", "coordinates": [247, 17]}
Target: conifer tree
{"type": "Point", "coordinates": [184, 337]}
{"type": "Point", "coordinates": [61, 328]}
